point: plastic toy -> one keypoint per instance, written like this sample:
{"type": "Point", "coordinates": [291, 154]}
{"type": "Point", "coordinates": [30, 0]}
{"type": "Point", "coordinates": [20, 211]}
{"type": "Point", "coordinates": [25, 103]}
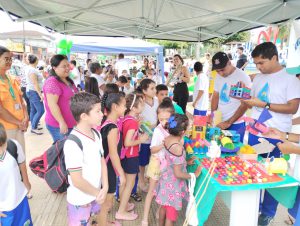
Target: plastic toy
{"type": "Point", "coordinates": [263, 147]}
{"type": "Point", "coordinates": [213, 132]}
{"type": "Point", "coordinates": [234, 135]}
{"type": "Point", "coordinates": [196, 146]}
{"type": "Point", "coordinates": [146, 129]}
{"type": "Point", "coordinates": [214, 150]}
{"type": "Point", "coordinates": [276, 165]}
{"type": "Point", "coordinates": [257, 126]}
{"type": "Point", "coordinates": [247, 153]}
{"type": "Point", "coordinates": [199, 127]}
{"type": "Point", "coordinates": [233, 170]}
{"type": "Point", "coordinates": [240, 91]}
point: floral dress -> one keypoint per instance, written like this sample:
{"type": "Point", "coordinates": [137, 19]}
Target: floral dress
{"type": "Point", "coordinates": [171, 190]}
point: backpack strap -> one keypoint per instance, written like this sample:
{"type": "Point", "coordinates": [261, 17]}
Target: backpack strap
{"type": "Point", "coordinates": [76, 140]}
{"type": "Point", "coordinates": [97, 133]}
{"type": "Point", "coordinates": [12, 149]}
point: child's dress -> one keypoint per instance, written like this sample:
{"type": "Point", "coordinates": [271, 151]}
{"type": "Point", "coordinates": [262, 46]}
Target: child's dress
{"type": "Point", "coordinates": [171, 190]}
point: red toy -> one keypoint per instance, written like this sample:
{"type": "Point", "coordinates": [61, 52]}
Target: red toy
{"type": "Point", "coordinates": [257, 126]}
{"type": "Point", "coordinates": [233, 170]}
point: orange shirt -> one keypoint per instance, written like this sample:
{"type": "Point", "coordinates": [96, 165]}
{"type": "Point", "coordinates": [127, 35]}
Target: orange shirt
{"type": "Point", "coordinates": [7, 101]}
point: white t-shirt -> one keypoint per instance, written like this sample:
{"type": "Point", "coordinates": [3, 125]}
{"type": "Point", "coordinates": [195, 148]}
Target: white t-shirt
{"type": "Point", "coordinates": [202, 83]}
{"type": "Point", "coordinates": [76, 74]}
{"type": "Point", "coordinates": [122, 64]}
{"type": "Point", "coordinates": [99, 78]}
{"type": "Point", "coordinates": [276, 88]}
{"type": "Point", "coordinates": [158, 137]}
{"type": "Point", "coordinates": [29, 71]}
{"type": "Point", "coordinates": [88, 161]}
{"type": "Point", "coordinates": [128, 90]}
{"type": "Point", "coordinates": [167, 67]}
{"type": "Point", "coordinates": [149, 114]}
{"type": "Point", "coordinates": [13, 189]}
{"type": "Point", "coordinates": [228, 105]}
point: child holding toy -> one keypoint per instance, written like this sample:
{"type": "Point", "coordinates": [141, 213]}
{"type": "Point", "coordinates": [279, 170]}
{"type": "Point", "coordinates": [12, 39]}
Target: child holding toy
{"type": "Point", "coordinates": [130, 163]}
{"type": "Point", "coordinates": [172, 188]}
{"type": "Point", "coordinates": [149, 115]}
{"type": "Point", "coordinates": [164, 111]}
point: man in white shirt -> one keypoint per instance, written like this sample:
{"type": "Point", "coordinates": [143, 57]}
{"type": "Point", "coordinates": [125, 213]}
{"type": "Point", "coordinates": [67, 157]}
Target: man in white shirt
{"type": "Point", "coordinates": [75, 74]}
{"type": "Point", "coordinates": [96, 71]}
{"type": "Point", "coordinates": [200, 95]}
{"type": "Point", "coordinates": [279, 92]}
{"type": "Point", "coordinates": [121, 64]}
{"type": "Point", "coordinates": [232, 109]}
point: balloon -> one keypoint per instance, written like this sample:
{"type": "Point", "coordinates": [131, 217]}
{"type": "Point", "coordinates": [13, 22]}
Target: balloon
{"type": "Point", "coordinates": [69, 45]}
{"type": "Point", "coordinates": [62, 44]}
{"type": "Point", "coordinates": [63, 52]}
{"type": "Point", "coordinates": [191, 88]}
{"type": "Point", "coordinates": [286, 157]}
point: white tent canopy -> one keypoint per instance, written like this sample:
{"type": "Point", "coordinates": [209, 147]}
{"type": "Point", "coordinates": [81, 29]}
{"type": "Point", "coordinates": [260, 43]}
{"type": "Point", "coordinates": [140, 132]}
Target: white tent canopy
{"type": "Point", "coordinates": [189, 20]}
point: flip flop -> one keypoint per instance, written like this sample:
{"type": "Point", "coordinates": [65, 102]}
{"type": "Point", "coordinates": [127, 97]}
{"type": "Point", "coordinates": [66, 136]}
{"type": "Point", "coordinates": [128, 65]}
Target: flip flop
{"type": "Point", "coordinates": [131, 217]}
{"type": "Point", "coordinates": [130, 207]}
{"type": "Point", "coordinates": [136, 197]}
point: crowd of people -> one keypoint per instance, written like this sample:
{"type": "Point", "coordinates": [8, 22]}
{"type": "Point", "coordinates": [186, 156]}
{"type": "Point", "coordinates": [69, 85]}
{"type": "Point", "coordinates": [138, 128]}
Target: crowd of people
{"type": "Point", "coordinates": [110, 104]}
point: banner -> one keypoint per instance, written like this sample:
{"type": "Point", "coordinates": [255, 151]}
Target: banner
{"type": "Point", "coordinates": [294, 46]}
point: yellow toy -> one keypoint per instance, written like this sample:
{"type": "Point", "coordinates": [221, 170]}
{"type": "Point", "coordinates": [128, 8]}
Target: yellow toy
{"type": "Point", "coordinates": [247, 149]}
{"type": "Point", "coordinates": [276, 165]}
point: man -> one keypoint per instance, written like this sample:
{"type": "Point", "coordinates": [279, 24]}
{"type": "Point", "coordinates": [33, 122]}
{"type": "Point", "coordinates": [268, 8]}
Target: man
{"type": "Point", "coordinates": [96, 71]}
{"type": "Point", "coordinates": [242, 59]}
{"type": "Point", "coordinates": [231, 108]}
{"type": "Point", "coordinates": [279, 92]}
{"type": "Point", "coordinates": [121, 64]}
{"type": "Point", "coordinates": [75, 74]}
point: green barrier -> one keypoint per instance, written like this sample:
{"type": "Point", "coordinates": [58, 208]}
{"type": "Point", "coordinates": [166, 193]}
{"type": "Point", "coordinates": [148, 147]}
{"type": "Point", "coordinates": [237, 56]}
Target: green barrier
{"type": "Point", "coordinates": [284, 195]}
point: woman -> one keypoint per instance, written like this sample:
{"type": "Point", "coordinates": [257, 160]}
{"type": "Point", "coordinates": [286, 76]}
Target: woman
{"type": "Point", "coordinates": [180, 77]}
{"type": "Point", "coordinates": [13, 112]}
{"type": "Point", "coordinates": [145, 67]}
{"type": "Point", "coordinates": [58, 90]}
{"type": "Point", "coordinates": [91, 86]}
{"type": "Point", "coordinates": [34, 80]}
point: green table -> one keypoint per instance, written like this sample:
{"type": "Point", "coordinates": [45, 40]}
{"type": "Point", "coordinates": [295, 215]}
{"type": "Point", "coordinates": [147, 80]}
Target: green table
{"type": "Point", "coordinates": [243, 200]}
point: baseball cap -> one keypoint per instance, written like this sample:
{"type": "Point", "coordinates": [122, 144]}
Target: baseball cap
{"type": "Point", "coordinates": [219, 60]}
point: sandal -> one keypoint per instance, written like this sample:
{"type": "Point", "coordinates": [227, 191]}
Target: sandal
{"type": "Point", "coordinates": [136, 197]}
{"type": "Point", "coordinates": [132, 216]}
{"type": "Point", "coordinates": [290, 221]}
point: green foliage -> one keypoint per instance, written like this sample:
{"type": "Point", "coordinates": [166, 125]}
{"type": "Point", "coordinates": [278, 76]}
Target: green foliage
{"type": "Point", "coordinates": [170, 44]}
{"type": "Point", "coordinates": [238, 37]}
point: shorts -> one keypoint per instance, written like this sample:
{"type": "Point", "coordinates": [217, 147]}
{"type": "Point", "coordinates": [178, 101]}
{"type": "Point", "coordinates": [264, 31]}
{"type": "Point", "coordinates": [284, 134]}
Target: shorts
{"type": "Point", "coordinates": [19, 216]}
{"type": "Point", "coordinates": [200, 113]}
{"type": "Point", "coordinates": [171, 213]}
{"type": "Point", "coordinates": [80, 215]}
{"type": "Point", "coordinates": [153, 170]}
{"type": "Point", "coordinates": [130, 165]}
{"type": "Point", "coordinates": [144, 154]}
{"type": "Point", "coordinates": [112, 178]}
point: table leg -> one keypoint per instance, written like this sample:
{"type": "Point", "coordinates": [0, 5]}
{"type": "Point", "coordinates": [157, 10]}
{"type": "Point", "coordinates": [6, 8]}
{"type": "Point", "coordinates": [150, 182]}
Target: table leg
{"type": "Point", "coordinates": [244, 208]}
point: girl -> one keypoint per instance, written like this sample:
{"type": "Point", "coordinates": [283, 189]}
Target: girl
{"type": "Point", "coordinates": [91, 86]}
{"type": "Point", "coordinates": [130, 164]}
{"type": "Point", "coordinates": [164, 111]}
{"type": "Point", "coordinates": [172, 187]}
{"type": "Point", "coordinates": [149, 115]}
{"type": "Point", "coordinates": [113, 107]}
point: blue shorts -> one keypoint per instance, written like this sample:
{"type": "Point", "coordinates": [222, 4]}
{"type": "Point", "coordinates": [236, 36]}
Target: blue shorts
{"type": "Point", "coordinates": [19, 216]}
{"type": "Point", "coordinates": [200, 113]}
{"type": "Point", "coordinates": [130, 165]}
{"type": "Point", "coordinates": [144, 155]}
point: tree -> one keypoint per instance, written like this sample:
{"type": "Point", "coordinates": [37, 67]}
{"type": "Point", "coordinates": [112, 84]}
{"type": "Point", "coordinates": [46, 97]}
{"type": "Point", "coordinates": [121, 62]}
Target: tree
{"type": "Point", "coordinates": [238, 37]}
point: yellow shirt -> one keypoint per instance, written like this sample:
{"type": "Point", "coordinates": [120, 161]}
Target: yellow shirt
{"type": "Point", "coordinates": [7, 101]}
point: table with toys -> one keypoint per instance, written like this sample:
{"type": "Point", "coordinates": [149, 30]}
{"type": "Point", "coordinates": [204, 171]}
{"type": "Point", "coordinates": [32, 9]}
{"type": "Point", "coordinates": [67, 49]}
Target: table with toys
{"type": "Point", "coordinates": [235, 172]}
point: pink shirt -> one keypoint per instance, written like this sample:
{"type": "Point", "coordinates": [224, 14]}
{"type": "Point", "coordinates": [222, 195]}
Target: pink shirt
{"type": "Point", "coordinates": [55, 87]}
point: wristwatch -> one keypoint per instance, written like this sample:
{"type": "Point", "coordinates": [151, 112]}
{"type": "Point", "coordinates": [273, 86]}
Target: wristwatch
{"type": "Point", "coordinates": [268, 105]}
{"type": "Point", "coordinates": [287, 136]}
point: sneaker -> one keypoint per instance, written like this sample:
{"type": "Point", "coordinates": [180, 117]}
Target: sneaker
{"type": "Point", "coordinates": [264, 220]}
{"type": "Point", "coordinates": [37, 132]}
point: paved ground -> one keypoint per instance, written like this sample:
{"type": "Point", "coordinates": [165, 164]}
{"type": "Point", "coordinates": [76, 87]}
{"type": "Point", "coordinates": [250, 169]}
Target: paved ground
{"type": "Point", "coordinates": [49, 209]}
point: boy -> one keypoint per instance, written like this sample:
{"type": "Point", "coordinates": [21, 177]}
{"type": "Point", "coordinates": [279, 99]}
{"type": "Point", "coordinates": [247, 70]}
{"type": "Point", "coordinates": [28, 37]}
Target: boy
{"type": "Point", "coordinates": [200, 96]}
{"type": "Point", "coordinates": [87, 167]}
{"type": "Point", "coordinates": [162, 92]}
{"type": "Point", "coordinates": [14, 207]}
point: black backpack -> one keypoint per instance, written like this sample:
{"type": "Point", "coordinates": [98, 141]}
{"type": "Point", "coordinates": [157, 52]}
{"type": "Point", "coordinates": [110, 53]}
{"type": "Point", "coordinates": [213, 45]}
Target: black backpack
{"type": "Point", "coordinates": [12, 149]}
{"type": "Point", "coordinates": [51, 165]}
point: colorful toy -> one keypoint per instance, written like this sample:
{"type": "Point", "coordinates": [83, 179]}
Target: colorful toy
{"type": "Point", "coordinates": [199, 127]}
{"type": "Point", "coordinates": [263, 147]}
{"type": "Point", "coordinates": [196, 146]}
{"type": "Point", "coordinates": [247, 153]}
{"type": "Point", "coordinates": [233, 170]}
{"type": "Point", "coordinates": [146, 129]}
{"type": "Point", "coordinates": [240, 91]}
{"type": "Point", "coordinates": [234, 135]}
{"type": "Point", "coordinates": [214, 150]}
{"type": "Point", "coordinates": [213, 133]}
{"type": "Point", "coordinates": [257, 126]}
{"type": "Point", "coordinates": [276, 165]}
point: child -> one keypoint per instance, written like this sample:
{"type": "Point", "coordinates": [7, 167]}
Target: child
{"type": "Point", "coordinates": [164, 111]}
{"type": "Point", "coordinates": [162, 92]}
{"type": "Point", "coordinates": [130, 164]}
{"type": "Point", "coordinates": [172, 188]}
{"type": "Point", "coordinates": [200, 96]}
{"type": "Point", "coordinates": [14, 207]}
{"type": "Point", "coordinates": [114, 106]}
{"type": "Point", "coordinates": [87, 167]}
{"type": "Point", "coordinates": [149, 115]}
{"type": "Point", "coordinates": [122, 81]}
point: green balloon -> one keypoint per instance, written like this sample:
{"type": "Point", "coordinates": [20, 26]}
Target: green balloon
{"type": "Point", "coordinates": [286, 157]}
{"type": "Point", "coordinates": [62, 44]}
{"type": "Point", "coordinates": [69, 45]}
{"type": "Point", "coordinates": [191, 88]}
{"type": "Point", "coordinates": [63, 52]}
